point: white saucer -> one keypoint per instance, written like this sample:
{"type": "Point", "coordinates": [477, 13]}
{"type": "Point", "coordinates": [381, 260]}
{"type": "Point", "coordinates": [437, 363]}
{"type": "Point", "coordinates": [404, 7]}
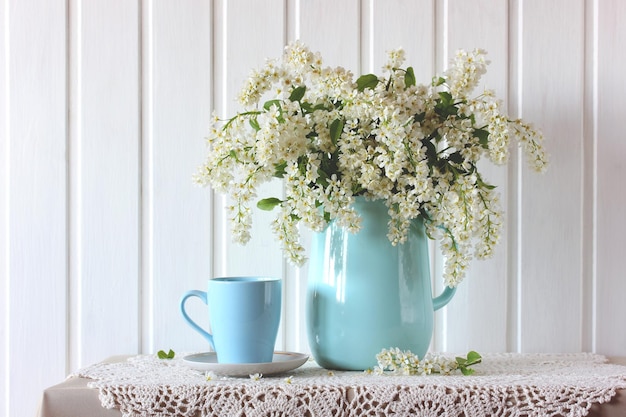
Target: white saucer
{"type": "Point", "coordinates": [282, 362]}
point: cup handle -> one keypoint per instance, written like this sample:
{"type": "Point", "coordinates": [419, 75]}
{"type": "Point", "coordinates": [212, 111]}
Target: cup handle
{"type": "Point", "coordinates": [201, 295]}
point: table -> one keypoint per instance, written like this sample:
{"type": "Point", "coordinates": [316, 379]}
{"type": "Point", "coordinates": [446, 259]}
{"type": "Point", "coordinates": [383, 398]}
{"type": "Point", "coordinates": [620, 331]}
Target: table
{"type": "Point", "coordinates": [74, 397]}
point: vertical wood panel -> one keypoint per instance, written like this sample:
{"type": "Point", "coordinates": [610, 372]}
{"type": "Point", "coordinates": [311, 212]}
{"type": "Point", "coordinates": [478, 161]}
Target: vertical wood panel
{"type": "Point", "coordinates": [611, 192]}
{"type": "Point", "coordinates": [482, 24]}
{"type": "Point", "coordinates": [333, 28]}
{"type": "Point", "coordinates": [240, 49]}
{"type": "Point", "coordinates": [247, 33]}
{"type": "Point", "coordinates": [390, 20]}
{"type": "Point", "coordinates": [551, 205]}
{"type": "Point", "coordinates": [36, 259]}
{"type": "Point", "coordinates": [294, 285]}
{"type": "Point", "coordinates": [294, 332]}
{"type": "Point", "coordinates": [4, 210]}
{"type": "Point", "coordinates": [588, 326]}
{"type": "Point", "coordinates": [106, 171]}
{"type": "Point", "coordinates": [177, 219]}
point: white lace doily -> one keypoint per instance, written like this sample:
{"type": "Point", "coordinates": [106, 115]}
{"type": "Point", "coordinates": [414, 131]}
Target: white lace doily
{"type": "Point", "coordinates": [503, 385]}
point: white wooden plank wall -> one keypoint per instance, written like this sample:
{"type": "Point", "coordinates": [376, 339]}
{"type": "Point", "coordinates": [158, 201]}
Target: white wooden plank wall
{"type": "Point", "coordinates": [103, 109]}
{"type": "Point", "coordinates": [608, 196]}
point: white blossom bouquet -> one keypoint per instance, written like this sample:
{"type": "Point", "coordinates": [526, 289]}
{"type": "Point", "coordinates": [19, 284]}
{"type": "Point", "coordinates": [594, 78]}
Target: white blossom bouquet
{"type": "Point", "coordinates": [332, 138]}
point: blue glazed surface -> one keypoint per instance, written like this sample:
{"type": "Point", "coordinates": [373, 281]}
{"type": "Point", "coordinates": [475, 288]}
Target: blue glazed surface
{"type": "Point", "coordinates": [364, 294]}
{"type": "Point", "coordinates": [244, 313]}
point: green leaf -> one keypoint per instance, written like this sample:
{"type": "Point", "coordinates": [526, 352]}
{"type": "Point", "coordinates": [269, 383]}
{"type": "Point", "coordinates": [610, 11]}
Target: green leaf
{"type": "Point", "coordinates": [306, 107]}
{"type": "Point", "coordinates": [268, 204]}
{"type": "Point", "coordinates": [336, 127]}
{"type": "Point", "coordinates": [438, 81]}
{"type": "Point", "coordinates": [297, 93]}
{"type": "Point", "coordinates": [322, 178]}
{"type": "Point", "coordinates": [486, 186]}
{"type": "Point", "coordinates": [312, 134]}
{"type": "Point", "coordinates": [279, 169]}
{"type": "Point", "coordinates": [431, 150]}
{"type": "Point", "coordinates": [268, 105]}
{"type": "Point", "coordinates": [255, 124]}
{"type": "Point", "coordinates": [445, 105]}
{"type": "Point", "coordinates": [446, 98]}
{"type": "Point", "coordinates": [473, 358]}
{"type": "Point", "coordinates": [467, 371]}
{"type": "Point", "coordinates": [366, 81]}
{"type": "Point", "coordinates": [419, 118]}
{"type": "Point", "coordinates": [409, 77]}
{"type": "Point", "coordinates": [169, 355]}
{"type": "Point", "coordinates": [483, 137]}
{"type": "Point", "coordinates": [456, 157]}
{"type": "Point", "coordinates": [483, 184]}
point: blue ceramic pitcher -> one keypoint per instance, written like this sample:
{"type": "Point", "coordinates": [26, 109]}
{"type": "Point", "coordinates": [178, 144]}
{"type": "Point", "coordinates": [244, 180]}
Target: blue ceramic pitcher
{"type": "Point", "coordinates": [364, 294]}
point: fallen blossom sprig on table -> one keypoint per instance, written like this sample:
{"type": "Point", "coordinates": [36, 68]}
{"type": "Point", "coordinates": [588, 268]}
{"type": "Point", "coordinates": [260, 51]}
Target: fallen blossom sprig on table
{"type": "Point", "coordinates": [211, 376]}
{"type": "Point", "coordinates": [404, 362]}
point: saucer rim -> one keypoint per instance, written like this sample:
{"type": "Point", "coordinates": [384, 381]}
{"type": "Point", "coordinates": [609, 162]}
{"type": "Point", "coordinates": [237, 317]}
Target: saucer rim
{"type": "Point", "coordinates": [292, 361]}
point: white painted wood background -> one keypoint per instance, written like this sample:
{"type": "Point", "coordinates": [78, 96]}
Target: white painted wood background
{"type": "Point", "coordinates": [103, 109]}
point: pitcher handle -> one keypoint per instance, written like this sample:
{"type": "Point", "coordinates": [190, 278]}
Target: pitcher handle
{"type": "Point", "coordinates": [444, 298]}
{"type": "Point", "coordinates": [203, 296]}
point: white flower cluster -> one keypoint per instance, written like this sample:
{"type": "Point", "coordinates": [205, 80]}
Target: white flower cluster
{"type": "Point", "coordinates": [401, 362]}
{"type": "Point", "coordinates": [331, 138]}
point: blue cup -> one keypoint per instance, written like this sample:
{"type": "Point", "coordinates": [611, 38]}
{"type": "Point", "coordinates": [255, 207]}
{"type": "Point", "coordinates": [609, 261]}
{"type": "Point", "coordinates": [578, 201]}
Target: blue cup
{"type": "Point", "coordinates": [244, 313]}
